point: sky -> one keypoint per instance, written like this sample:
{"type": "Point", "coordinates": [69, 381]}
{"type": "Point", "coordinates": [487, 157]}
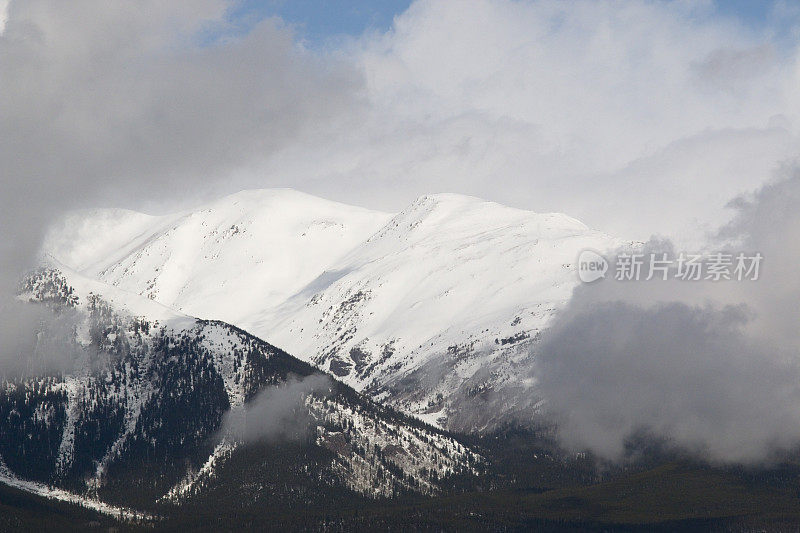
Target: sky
{"type": "Point", "coordinates": [324, 19]}
{"type": "Point", "coordinates": [639, 118]}
{"type": "Point", "coordinates": [319, 21]}
{"type": "Point", "coordinates": [753, 13]}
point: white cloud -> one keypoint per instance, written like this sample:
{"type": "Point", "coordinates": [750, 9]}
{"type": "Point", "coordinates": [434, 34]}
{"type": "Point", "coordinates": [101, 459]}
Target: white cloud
{"type": "Point", "coordinates": [592, 108]}
{"type": "Point", "coordinates": [3, 15]}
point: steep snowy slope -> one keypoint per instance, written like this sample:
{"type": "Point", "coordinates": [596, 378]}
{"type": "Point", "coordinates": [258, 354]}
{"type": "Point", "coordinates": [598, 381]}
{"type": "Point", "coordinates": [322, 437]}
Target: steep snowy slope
{"type": "Point", "coordinates": [433, 310]}
{"type": "Point", "coordinates": [435, 313]}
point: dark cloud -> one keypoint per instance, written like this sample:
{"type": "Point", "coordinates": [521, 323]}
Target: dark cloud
{"type": "Point", "coordinates": [728, 69]}
{"type": "Point", "coordinates": [120, 102]}
{"type": "Point", "coordinates": [711, 367]}
{"type": "Point", "coordinates": [685, 374]}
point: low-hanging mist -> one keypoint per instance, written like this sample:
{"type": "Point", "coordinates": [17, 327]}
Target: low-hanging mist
{"type": "Point", "coordinates": [278, 412]}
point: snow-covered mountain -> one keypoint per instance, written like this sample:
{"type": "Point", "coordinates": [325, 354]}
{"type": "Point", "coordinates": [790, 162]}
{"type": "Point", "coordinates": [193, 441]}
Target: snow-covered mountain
{"type": "Point", "coordinates": [433, 310]}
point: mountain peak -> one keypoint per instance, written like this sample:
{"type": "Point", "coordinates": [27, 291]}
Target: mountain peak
{"type": "Point", "coordinates": [453, 214]}
{"type": "Point", "coordinates": [282, 197]}
{"type": "Point", "coordinates": [448, 288]}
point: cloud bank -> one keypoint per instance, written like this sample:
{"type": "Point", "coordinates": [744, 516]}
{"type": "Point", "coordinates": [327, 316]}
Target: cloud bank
{"type": "Point", "coordinates": [122, 103]}
{"type": "Point", "coordinates": [636, 117]}
{"type": "Point", "coordinates": [639, 117]}
{"type": "Point", "coordinates": [710, 367]}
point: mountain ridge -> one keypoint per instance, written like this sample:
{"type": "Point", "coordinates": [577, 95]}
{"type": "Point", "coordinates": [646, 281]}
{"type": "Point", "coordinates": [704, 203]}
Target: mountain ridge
{"type": "Point", "coordinates": [426, 309]}
{"type": "Point", "coordinates": [118, 411]}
